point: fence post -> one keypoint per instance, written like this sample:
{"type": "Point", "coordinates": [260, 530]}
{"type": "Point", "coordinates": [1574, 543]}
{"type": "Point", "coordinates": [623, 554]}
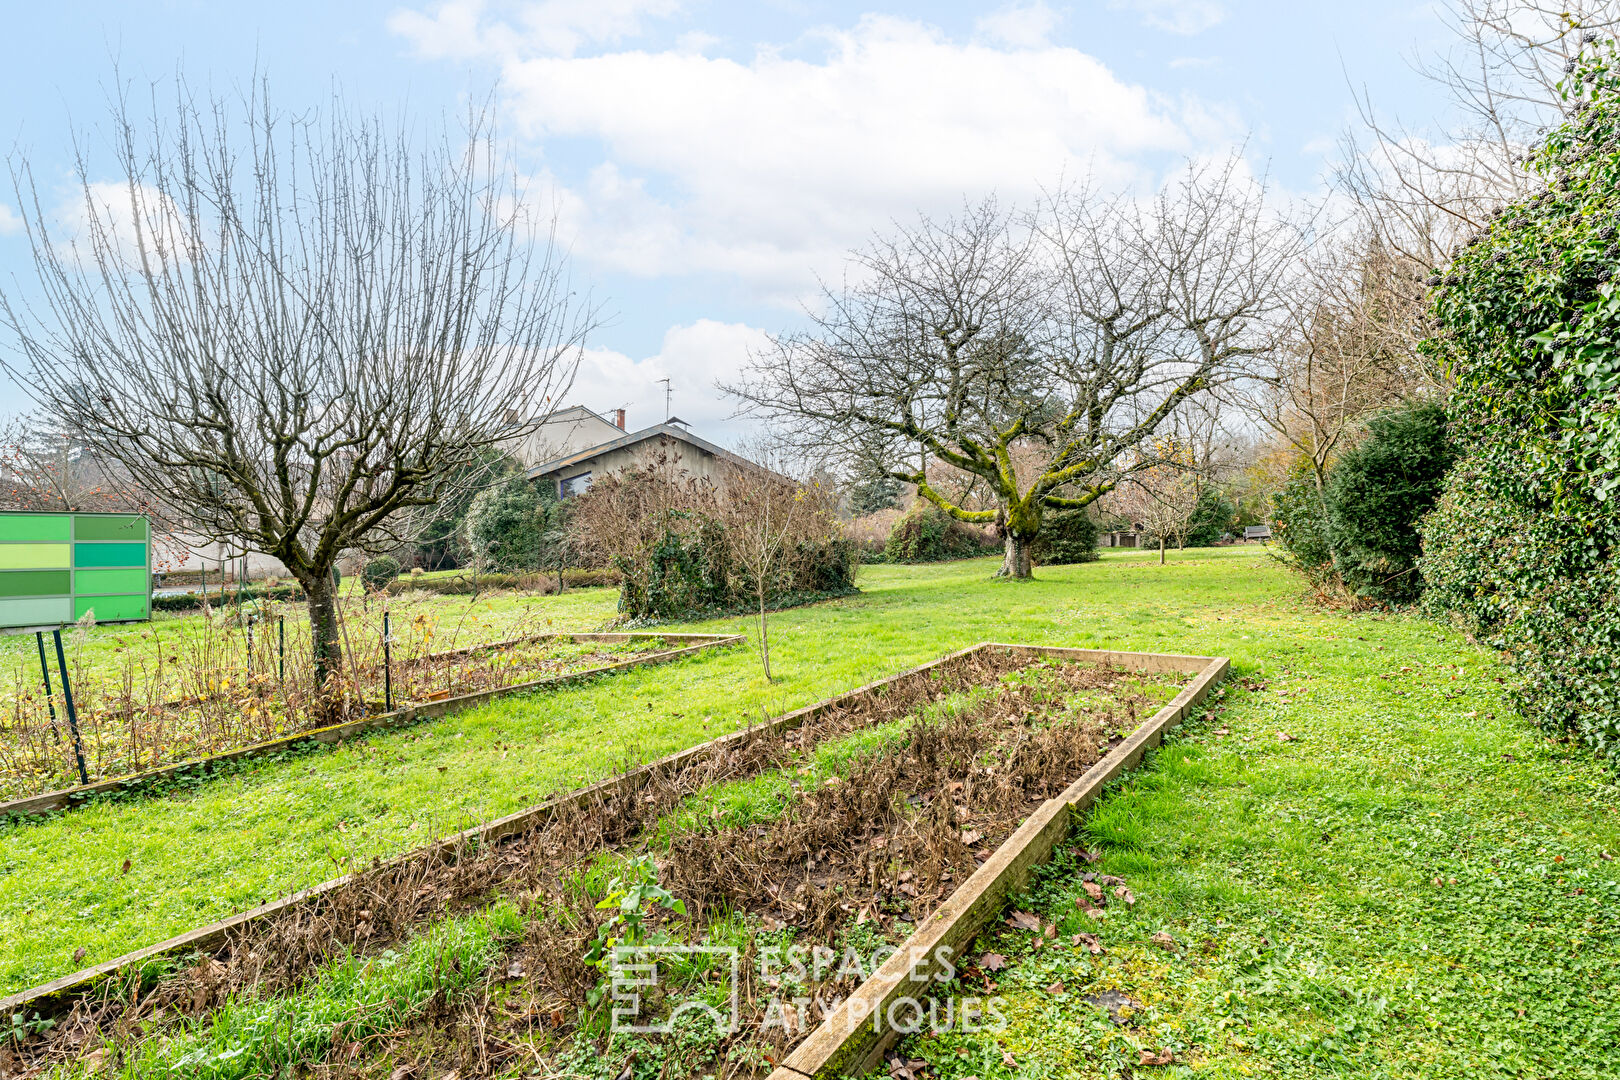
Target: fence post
{"type": "Point", "coordinates": [67, 699]}
{"type": "Point", "coordinates": [50, 698]}
{"type": "Point", "coordinates": [388, 666]}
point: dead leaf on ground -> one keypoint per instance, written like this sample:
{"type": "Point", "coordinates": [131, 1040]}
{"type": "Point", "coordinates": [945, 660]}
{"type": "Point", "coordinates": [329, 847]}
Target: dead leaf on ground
{"type": "Point", "coordinates": [1024, 920]}
{"type": "Point", "coordinates": [1090, 941]}
{"type": "Point", "coordinates": [1055, 988]}
{"type": "Point", "coordinates": [1125, 894]}
{"type": "Point", "coordinates": [125, 868]}
{"type": "Point", "coordinates": [1164, 941]}
{"type": "Point", "coordinates": [1283, 736]}
{"type": "Point", "coordinates": [1093, 890]}
{"type": "Point", "coordinates": [992, 961]}
{"type": "Point", "coordinates": [78, 954]}
{"type": "Point", "coordinates": [1148, 1057]}
{"type": "Point", "coordinates": [1008, 1060]}
{"type": "Point", "coordinates": [971, 837]}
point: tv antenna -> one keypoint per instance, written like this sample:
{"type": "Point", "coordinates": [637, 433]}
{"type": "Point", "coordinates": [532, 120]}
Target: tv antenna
{"type": "Point", "coordinates": [667, 392]}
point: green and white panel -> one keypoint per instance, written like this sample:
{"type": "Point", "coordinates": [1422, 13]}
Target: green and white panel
{"type": "Point", "coordinates": [56, 567]}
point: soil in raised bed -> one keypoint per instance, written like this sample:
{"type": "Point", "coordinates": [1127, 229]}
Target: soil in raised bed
{"type": "Point", "coordinates": [857, 856]}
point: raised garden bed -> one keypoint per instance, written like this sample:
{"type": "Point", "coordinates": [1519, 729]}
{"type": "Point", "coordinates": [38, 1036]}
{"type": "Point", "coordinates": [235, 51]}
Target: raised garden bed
{"type": "Point", "coordinates": [438, 682]}
{"type": "Point", "coordinates": [865, 819]}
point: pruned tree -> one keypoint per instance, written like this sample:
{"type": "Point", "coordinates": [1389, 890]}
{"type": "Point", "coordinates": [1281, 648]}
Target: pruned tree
{"type": "Point", "coordinates": [292, 329]}
{"type": "Point", "coordinates": [1060, 341]}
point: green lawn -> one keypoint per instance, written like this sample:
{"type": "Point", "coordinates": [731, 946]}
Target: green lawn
{"type": "Point", "coordinates": [1302, 871]}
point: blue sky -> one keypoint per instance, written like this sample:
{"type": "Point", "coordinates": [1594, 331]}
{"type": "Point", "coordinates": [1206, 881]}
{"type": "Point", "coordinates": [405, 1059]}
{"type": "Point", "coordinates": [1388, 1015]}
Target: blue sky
{"type": "Point", "coordinates": [707, 160]}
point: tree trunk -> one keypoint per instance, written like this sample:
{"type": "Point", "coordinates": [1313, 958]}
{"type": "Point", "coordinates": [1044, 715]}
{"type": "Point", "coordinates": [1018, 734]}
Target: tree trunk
{"type": "Point", "coordinates": [764, 636]}
{"type": "Point", "coordinates": [1161, 550]}
{"type": "Point", "coordinates": [1015, 563]}
{"type": "Point", "coordinates": [323, 626]}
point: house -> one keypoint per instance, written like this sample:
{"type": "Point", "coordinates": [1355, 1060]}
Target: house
{"type": "Point", "coordinates": [573, 446]}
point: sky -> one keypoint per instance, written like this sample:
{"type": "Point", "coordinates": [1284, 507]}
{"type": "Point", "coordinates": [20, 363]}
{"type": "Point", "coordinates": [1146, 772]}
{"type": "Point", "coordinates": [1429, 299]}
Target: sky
{"type": "Point", "coordinates": [708, 163]}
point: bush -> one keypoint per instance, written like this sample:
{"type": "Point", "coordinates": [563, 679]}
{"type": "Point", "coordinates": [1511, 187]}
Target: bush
{"type": "Point", "coordinates": [1066, 536]}
{"type": "Point", "coordinates": [1299, 528]}
{"type": "Point", "coordinates": [663, 532]}
{"type": "Point", "coordinates": [1521, 548]}
{"type": "Point", "coordinates": [1376, 494]}
{"type": "Point", "coordinates": [192, 601]}
{"type": "Point", "coordinates": [505, 525]}
{"type": "Point", "coordinates": [928, 534]}
{"type": "Point", "coordinates": [1359, 534]}
{"type": "Point", "coordinates": [378, 572]}
{"type": "Point", "coordinates": [1213, 518]}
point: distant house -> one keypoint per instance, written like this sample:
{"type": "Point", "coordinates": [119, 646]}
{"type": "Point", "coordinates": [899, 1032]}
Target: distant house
{"type": "Point", "coordinates": [572, 447]}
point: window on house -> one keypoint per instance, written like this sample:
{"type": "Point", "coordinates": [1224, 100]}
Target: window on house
{"type": "Point", "coordinates": [574, 485]}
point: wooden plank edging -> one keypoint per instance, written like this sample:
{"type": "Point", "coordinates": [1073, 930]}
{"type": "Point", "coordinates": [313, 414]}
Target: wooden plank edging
{"type": "Point", "coordinates": [852, 1041]}
{"type": "Point", "coordinates": [66, 798]}
{"type": "Point", "coordinates": [55, 996]}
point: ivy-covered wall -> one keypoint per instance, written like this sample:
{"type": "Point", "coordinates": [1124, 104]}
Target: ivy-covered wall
{"type": "Point", "coordinates": [1522, 544]}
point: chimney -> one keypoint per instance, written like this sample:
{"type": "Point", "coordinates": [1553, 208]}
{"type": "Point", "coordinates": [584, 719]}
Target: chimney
{"type": "Point", "coordinates": [618, 418]}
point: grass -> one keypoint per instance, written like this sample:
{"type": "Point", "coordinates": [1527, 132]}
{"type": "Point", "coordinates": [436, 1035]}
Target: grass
{"type": "Point", "coordinates": [1301, 873]}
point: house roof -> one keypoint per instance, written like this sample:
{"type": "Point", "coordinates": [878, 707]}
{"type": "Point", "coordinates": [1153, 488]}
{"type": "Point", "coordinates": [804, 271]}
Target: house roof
{"type": "Point", "coordinates": [580, 457]}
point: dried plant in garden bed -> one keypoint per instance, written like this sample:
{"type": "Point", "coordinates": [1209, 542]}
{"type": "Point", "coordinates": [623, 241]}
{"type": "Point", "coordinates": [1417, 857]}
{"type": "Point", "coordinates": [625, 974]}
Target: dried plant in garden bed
{"type": "Point", "coordinates": [232, 684]}
{"type": "Point", "coordinates": [863, 852]}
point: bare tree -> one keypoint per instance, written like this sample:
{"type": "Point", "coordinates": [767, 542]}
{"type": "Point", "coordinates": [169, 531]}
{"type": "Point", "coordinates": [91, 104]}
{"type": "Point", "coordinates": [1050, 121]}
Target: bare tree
{"type": "Point", "coordinates": [772, 523]}
{"type": "Point", "coordinates": [1063, 340]}
{"type": "Point", "coordinates": [292, 329]}
{"type": "Point", "coordinates": [1423, 191]}
{"type": "Point", "coordinates": [1348, 347]}
{"type": "Point", "coordinates": [1162, 496]}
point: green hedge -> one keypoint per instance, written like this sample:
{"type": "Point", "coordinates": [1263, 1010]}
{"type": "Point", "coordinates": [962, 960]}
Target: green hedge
{"type": "Point", "coordinates": [1522, 545]}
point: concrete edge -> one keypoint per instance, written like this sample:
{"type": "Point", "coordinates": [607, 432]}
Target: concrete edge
{"type": "Point", "coordinates": [852, 1041]}
{"type": "Point", "coordinates": [65, 798]}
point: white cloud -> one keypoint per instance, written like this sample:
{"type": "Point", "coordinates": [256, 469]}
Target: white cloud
{"type": "Point", "coordinates": [771, 168]}
{"type": "Point", "coordinates": [108, 211]}
{"type": "Point", "coordinates": [1175, 16]}
{"type": "Point", "coordinates": [1024, 27]}
{"type": "Point", "coordinates": [9, 221]}
{"type": "Point", "coordinates": [459, 29]}
{"type": "Point", "coordinates": [693, 358]}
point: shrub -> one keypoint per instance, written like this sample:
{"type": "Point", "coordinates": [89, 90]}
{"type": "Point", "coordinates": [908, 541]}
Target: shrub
{"type": "Point", "coordinates": [928, 534]}
{"type": "Point", "coordinates": [1521, 548]}
{"type": "Point", "coordinates": [1359, 533]}
{"type": "Point", "coordinates": [1212, 519]}
{"type": "Point", "coordinates": [505, 525]}
{"type": "Point", "coordinates": [1066, 536]}
{"type": "Point", "coordinates": [663, 532]}
{"type": "Point", "coordinates": [1299, 529]}
{"type": "Point", "coordinates": [1376, 494]}
{"type": "Point", "coordinates": [378, 572]}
